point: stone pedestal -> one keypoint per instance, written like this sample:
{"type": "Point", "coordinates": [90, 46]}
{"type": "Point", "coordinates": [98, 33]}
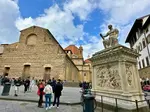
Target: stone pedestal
{"type": "Point", "coordinates": [115, 75]}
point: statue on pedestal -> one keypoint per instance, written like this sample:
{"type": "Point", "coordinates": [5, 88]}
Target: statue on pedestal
{"type": "Point", "coordinates": [112, 40]}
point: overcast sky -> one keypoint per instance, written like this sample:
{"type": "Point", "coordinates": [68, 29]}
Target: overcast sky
{"type": "Point", "coordinates": [77, 22]}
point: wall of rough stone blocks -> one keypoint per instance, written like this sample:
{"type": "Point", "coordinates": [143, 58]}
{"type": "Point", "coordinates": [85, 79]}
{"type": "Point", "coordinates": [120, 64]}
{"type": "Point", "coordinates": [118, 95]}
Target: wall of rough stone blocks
{"type": "Point", "coordinates": [45, 51]}
{"type": "Point", "coordinates": [71, 71]}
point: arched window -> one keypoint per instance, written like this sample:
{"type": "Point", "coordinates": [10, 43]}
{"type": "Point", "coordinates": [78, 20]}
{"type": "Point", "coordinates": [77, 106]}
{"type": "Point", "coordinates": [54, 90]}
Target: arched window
{"type": "Point", "coordinates": [144, 44]}
{"type": "Point", "coordinates": [140, 46]}
{"type": "Point", "coordinates": [137, 50]}
{"type": "Point", "coordinates": [31, 39]}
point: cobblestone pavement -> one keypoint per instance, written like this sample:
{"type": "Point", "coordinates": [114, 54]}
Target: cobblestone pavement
{"type": "Point", "coordinates": [69, 94]}
{"type": "Point", "coordinates": [15, 106]}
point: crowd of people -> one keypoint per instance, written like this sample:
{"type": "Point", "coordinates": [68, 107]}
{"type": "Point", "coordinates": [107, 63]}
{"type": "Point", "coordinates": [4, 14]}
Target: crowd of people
{"type": "Point", "coordinates": [45, 88]}
{"type": "Point", "coordinates": [49, 88]}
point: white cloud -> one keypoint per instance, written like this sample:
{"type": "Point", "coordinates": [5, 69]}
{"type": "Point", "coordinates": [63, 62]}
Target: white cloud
{"type": "Point", "coordinates": [121, 14]}
{"type": "Point", "coordinates": [124, 11]}
{"type": "Point", "coordinates": [59, 22]}
{"type": "Point", "coordinates": [81, 8]}
{"type": "Point", "coordinates": [9, 12]}
{"type": "Point", "coordinates": [92, 48]}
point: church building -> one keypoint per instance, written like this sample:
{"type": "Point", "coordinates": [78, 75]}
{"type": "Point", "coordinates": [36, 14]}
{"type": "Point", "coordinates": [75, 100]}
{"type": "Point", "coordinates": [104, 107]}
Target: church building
{"type": "Point", "coordinates": [37, 54]}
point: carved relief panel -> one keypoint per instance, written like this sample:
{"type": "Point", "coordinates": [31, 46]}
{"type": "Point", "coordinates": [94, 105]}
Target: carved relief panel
{"type": "Point", "coordinates": [108, 77]}
{"type": "Point", "coordinates": [129, 74]}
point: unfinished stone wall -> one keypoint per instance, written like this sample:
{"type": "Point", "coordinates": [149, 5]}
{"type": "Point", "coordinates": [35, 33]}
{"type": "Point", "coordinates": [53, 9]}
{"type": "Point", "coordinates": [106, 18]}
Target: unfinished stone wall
{"type": "Point", "coordinates": [38, 49]}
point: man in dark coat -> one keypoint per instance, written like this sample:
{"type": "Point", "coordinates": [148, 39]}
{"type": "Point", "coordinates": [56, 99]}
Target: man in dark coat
{"type": "Point", "coordinates": [17, 83]}
{"type": "Point", "coordinates": [26, 85]}
{"type": "Point", "coordinates": [57, 92]}
{"type": "Point", "coordinates": [53, 84]}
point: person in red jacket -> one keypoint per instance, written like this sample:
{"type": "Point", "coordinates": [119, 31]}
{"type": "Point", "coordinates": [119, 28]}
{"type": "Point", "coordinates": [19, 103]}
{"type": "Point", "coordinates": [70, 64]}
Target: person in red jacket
{"type": "Point", "coordinates": [40, 93]}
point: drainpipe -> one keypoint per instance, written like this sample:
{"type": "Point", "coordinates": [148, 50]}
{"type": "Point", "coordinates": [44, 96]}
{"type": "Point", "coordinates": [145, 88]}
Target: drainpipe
{"type": "Point", "coordinates": [147, 45]}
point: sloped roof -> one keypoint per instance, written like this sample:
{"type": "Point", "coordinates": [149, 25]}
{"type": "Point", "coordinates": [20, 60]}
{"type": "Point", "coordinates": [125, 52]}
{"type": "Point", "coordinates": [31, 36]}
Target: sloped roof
{"type": "Point", "coordinates": [137, 24]}
{"type": "Point", "coordinates": [87, 61]}
{"type": "Point", "coordinates": [73, 49]}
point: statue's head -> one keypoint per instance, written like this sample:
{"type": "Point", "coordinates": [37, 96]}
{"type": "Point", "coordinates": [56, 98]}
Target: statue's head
{"type": "Point", "coordinates": [110, 26]}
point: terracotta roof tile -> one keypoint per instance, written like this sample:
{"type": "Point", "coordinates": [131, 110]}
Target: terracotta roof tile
{"type": "Point", "coordinates": [87, 61]}
{"type": "Point", "coordinates": [74, 49]}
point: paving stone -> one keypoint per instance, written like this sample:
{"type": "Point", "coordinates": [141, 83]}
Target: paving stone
{"type": "Point", "coordinates": [69, 94]}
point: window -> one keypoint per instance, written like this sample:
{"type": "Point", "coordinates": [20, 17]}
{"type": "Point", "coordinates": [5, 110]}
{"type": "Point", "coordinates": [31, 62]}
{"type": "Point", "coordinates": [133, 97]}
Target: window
{"type": "Point", "coordinates": [148, 39]}
{"type": "Point", "coordinates": [6, 71]}
{"type": "Point", "coordinates": [143, 63]}
{"type": "Point", "coordinates": [140, 46]}
{"type": "Point", "coordinates": [147, 61]}
{"type": "Point", "coordinates": [139, 32]}
{"type": "Point", "coordinates": [137, 49]}
{"type": "Point", "coordinates": [146, 30]}
{"type": "Point", "coordinates": [144, 44]}
{"type": "Point", "coordinates": [139, 64]}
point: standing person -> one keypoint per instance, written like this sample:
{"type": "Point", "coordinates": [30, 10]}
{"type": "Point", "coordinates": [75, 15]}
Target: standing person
{"type": "Point", "coordinates": [57, 93]}
{"type": "Point", "coordinates": [13, 81]}
{"type": "Point", "coordinates": [53, 84]}
{"type": "Point", "coordinates": [17, 84]}
{"type": "Point", "coordinates": [48, 95]}
{"type": "Point", "coordinates": [147, 81]}
{"type": "Point", "coordinates": [26, 85]}
{"type": "Point", "coordinates": [0, 80]}
{"type": "Point", "coordinates": [32, 84]}
{"type": "Point", "coordinates": [40, 93]}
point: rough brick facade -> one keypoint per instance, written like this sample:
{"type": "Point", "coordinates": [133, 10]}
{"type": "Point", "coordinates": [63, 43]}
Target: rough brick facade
{"type": "Point", "coordinates": [37, 53]}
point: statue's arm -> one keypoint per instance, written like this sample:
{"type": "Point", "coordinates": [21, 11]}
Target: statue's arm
{"type": "Point", "coordinates": [106, 35]}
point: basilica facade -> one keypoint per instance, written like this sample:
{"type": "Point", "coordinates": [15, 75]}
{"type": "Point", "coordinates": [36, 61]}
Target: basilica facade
{"type": "Point", "coordinates": [38, 54]}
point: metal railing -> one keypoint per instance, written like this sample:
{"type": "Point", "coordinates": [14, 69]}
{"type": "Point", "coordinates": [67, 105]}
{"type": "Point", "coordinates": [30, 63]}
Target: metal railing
{"type": "Point", "coordinates": [116, 102]}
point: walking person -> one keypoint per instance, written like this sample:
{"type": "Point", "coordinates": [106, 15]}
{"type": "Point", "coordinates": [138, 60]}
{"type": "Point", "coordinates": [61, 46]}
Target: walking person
{"type": "Point", "coordinates": [40, 93]}
{"type": "Point", "coordinates": [48, 95]}
{"type": "Point", "coordinates": [57, 93]}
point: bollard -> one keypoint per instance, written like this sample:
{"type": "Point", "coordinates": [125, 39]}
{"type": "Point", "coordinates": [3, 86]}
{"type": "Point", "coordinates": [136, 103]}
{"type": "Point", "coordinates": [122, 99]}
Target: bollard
{"type": "Point", "coordinates": [6, 89]}
{"type": "Point", "coordinates": [88, 105]}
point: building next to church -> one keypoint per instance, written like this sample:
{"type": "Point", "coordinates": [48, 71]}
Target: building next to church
{"type": "Point", "coordinates": [37, 54]}
{"type": "Point", "coordinates": [139, 39]}
{"type": "Point", "coordinates": [84, 66]}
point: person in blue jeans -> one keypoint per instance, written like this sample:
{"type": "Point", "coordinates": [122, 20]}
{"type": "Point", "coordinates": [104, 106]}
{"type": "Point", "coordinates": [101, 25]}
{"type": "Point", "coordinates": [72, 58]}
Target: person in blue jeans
{"type": "Point", "coordinates": [48, 95]}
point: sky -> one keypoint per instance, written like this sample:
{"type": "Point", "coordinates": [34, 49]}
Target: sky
{"type": "Point", "coordinates": [72, 22]}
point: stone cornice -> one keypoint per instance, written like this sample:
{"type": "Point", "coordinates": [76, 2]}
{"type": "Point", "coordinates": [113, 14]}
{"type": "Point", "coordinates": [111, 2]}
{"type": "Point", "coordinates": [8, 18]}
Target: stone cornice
{"type": "Point", "coordinates": [113, 54]}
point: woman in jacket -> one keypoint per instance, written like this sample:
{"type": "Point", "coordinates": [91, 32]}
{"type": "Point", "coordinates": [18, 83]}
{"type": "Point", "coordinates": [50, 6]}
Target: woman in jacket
{"type": "Point", "coordinates": [48, 95]}
{"type": "Point", "coordinates": [40, 93]}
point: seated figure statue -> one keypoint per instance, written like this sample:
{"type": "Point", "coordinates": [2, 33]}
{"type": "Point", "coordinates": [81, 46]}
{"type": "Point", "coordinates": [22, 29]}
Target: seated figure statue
{"type": "Point", "coordinates": [112, 40]}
